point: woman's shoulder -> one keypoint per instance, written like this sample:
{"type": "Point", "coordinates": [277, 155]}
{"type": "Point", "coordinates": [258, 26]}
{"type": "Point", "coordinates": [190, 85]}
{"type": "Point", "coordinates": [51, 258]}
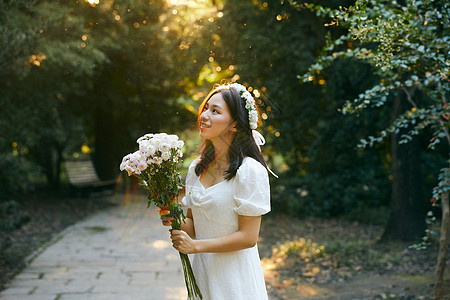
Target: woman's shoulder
{"type": "Point", "coordinates": [251, 166]}
{"type": "Point", "coordinates": [194, 163]}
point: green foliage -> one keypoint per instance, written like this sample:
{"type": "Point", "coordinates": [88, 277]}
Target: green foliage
{"type": "Point", "coordinates": [267, 45]}
{"type": "Point", "coordinates": [408, 47]}
{"type": "Point", "coordinates": [301, 249]}
{"type": "Point", "coordinates": [75, 73]}
{"type": "Point", "coordinates": [362, 254]}
{"type": "Point", "coordinates": [16, 175]}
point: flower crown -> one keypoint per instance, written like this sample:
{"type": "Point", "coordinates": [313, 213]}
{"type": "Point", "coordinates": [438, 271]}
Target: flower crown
{"type": "Point", "coordinates": [249, 104]}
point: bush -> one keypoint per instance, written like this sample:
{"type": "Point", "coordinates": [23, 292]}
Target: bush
{"type": "Point", "coordinates": [11, 216]}
{"type": "Point", "coordinates": [16, 175]}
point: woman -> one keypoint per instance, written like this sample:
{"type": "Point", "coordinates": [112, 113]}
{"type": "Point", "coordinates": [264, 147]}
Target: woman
{"type": "Point", "coordinates": [227, 191]}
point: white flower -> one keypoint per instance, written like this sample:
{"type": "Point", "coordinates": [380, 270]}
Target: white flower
{"type": "Point", "coordinates": [164, 147]}
{"type": "Point", "coordinates": [157, 160]}
{"type": "Point", "coordinates": [246, 95]}
{"type": "Point", "coordinates": [172, 139]}
{"type": "Point", "coordinates": [253, 119]}
{"type": "Point", "coordinates": [142, 165]}
{"type": "Point", "coordinates": [154, 149]}
{"type": "Point", "coordinates": [125, 162]}
{"type": "Point", "coordinates": [165, 156]}
{"type": "Point", "coordinates": [146, 148]}
{"type": "Point", "coordinates": [151, 150]}
{"type": "Point", "coordinates": [155, 142]}
{"type": "Point", "coordinates": [147, 137]}
{"type": "Point", "coordinates": [249, 104]}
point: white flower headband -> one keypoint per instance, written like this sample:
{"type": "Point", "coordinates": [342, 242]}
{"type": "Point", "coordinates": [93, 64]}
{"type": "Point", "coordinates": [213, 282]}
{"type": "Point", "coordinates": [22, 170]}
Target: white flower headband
{"type": "Point", "coordinates": [252, 117]}
{"type": "Point", "coordinates": [249, 104]}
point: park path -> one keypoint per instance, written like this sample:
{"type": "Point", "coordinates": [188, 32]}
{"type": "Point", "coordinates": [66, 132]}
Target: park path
{"type": "Point", "coordinates": [119, 253]}
{"type": "Point", "coordinates": [124, 253]}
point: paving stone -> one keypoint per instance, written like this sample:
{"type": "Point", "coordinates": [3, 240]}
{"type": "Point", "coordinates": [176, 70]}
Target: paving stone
{"type": "Point", "coordinates": [120, 253]}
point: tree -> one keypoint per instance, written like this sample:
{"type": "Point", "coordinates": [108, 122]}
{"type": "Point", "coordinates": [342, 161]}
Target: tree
{"type": "Point", "coordinates": [408, 45]}
{"type": "Point", "coordinates": [41, 50]}
{"type": "Point", "coordinates": [265, 44]}
{"type": "Point", "coordinates": [101, 75]}
{"type": "Point", "coordinates": [149, 47]}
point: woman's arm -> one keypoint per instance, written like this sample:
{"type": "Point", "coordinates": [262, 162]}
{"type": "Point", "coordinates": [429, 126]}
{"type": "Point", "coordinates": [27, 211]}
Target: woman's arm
{"type": "Point", "coordinates": [188, 227]}
{"type": "Point", "coordinates": [245, 237]}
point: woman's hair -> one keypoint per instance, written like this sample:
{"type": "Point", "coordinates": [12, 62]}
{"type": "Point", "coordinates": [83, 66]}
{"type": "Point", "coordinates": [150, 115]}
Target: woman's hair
{"type": "Point", "coordinates": [242, 144]}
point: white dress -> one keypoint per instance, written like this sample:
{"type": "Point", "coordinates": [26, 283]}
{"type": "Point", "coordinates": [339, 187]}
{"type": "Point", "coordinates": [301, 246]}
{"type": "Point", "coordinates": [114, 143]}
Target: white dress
{"type": "Point", "coordinates": [235, 275]}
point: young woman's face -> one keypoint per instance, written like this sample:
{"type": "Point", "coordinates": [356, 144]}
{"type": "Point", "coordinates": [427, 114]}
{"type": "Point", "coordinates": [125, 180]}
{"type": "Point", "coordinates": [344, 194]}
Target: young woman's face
{"type": "Point", "coordinates": [215, 120]}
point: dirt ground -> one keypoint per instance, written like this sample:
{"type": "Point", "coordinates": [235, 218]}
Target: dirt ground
{"type": "Point", "coordinates": [337, 259]}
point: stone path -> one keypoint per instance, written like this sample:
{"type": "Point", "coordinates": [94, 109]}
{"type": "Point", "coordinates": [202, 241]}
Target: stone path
{"type": "Point", "coordinates": [121, 253]}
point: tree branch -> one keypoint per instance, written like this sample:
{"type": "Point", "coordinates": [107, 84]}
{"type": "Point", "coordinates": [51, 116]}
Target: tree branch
{"type": "Point", "coordinates": [408, 96]}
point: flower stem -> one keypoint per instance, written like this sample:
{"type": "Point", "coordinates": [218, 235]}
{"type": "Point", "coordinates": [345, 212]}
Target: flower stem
{"type": "Point", "coordinates": [189, 278]}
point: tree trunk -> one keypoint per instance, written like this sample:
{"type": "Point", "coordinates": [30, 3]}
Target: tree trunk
{"type": "Point", "coordinates": [443, 249]}
{"type": "Point", "coordinates": [445, 231]}
{"type": "Point", "coordinates": [105, 143]}
{"type": "Point", "coordinates": [407, 218]}
{"type": "Point", "coordinates": [58, 166]}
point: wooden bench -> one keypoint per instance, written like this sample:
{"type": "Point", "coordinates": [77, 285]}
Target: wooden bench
{"type": "Point", "coordinates": [83, 177]}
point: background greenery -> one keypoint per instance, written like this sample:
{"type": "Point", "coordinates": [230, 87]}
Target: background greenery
{"type": "Point", "coordinates": [80, 78]}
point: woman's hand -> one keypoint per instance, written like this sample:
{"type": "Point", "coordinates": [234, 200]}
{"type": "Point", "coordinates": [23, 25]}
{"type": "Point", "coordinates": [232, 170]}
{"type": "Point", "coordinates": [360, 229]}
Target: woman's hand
{"type": "Point", "coordinates": [182, 241]}
{"type": "Point", "coordinates": [166, 221]}
{"type": "Point", "coordinates": [163, 212]}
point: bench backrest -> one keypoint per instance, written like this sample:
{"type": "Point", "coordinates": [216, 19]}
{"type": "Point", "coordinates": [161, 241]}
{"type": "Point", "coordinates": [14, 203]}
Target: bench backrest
{"type": "Point", "coordinates": [81, 171]}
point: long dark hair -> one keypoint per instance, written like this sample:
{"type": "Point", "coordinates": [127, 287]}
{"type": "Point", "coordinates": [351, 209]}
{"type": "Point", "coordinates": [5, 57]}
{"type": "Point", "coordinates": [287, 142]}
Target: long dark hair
{"type": "Point", "coordinates": [243, 144]}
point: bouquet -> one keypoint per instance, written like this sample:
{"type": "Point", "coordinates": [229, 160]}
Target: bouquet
{"type": "Point", "coordinates": [155, 165]}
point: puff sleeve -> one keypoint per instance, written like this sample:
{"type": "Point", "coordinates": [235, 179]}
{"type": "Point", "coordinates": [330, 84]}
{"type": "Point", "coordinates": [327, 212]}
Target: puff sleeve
{"type": "Point", "coordinates": [190, 178]}
{"type": "Point", "coordinates": [252, 190]}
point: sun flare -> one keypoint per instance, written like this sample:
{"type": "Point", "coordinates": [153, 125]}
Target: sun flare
{"type": "Point", "coordinates": [93, 2]}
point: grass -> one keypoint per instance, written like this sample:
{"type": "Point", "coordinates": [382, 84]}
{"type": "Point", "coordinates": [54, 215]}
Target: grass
{"type": "Point", "coordinates": [362, 254]}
